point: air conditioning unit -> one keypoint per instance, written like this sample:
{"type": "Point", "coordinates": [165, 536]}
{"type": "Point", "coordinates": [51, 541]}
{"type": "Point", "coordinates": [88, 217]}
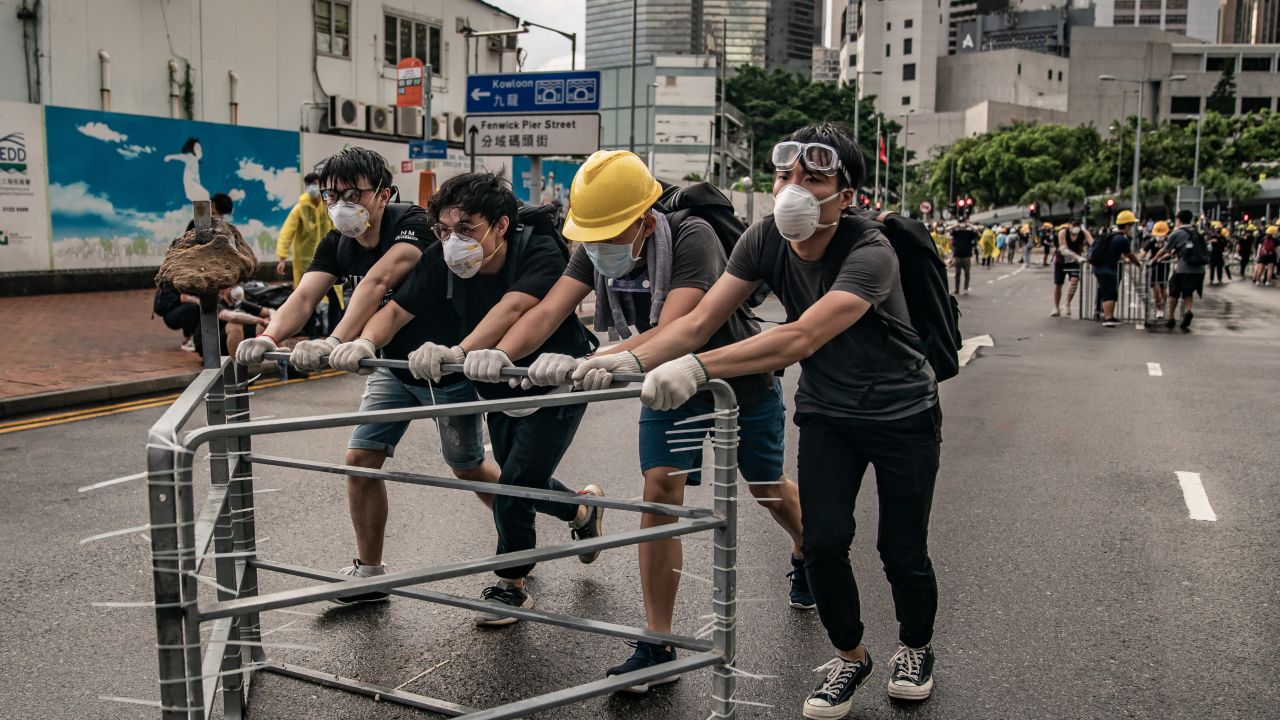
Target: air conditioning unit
{"type": "Point", "coordinates": [409, 122]}
{"type": "Point", "coordinates": [457, 125]}
{"type": "Point", "coordinates": [502, 43]}
{"type": "Point", "coordinates": [346, 114]}
{"type": "Point", "coordinates": [382, 119]}
{"type": "Point", "coordinates": [439, 127]}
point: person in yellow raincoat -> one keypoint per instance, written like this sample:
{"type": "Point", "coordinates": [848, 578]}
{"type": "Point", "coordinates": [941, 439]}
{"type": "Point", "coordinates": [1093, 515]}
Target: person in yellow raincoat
{"type": "Point", "coordinates": [307, 223]}
{"type": "Point", "coordinates": [941, 241]}
{"type": "Point", "coordinates": [987, 246]}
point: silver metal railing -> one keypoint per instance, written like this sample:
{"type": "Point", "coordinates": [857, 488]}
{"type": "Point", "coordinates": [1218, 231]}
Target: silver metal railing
{"type": "Point", "coordinates": [191, 669]}
{"type": "Point", "coordinates": [1136, 301]}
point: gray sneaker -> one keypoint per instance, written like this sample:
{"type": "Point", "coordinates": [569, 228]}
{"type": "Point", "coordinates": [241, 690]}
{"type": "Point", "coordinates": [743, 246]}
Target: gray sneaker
{"type": "Point", "coordinates": [360, 570]}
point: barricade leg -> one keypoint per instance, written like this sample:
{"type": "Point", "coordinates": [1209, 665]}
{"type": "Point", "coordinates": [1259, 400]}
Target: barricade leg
{"type": "Point", "coordinates": [218, 409]}
{"type": "Point", "coordinates": [242, 510]}
{"type": "Point", "coordinates": [170, 631]}
{"type": "Point", "coordinates": [725, 555]}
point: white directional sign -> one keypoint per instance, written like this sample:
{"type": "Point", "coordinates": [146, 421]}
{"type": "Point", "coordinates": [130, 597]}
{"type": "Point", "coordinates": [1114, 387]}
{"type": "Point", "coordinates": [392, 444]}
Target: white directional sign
{"type": "Point", "coordinates": [534, 134]}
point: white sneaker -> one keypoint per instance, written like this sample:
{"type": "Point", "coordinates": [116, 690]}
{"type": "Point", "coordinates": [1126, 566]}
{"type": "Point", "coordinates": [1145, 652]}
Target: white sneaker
{"type": "Point", "coordinates": [360, 570]}
{"type": "Point", "coordinates": [1159, 314]}
{"type": "Point", "coordinates": [189, 345]}
{"type": "Point", "coordinates": [1056, 313]}
{"type": "Point", "coordinates": [1067, 313]}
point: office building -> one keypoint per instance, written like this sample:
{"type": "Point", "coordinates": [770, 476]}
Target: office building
{"type": "Point", "coordinates": [826, 65]}
{"type": "Point", "coordinates": [1196, 19]}
{"type": "Point", "coordinates": [1250, 22]}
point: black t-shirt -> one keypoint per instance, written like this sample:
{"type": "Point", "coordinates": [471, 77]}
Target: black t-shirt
{"type": "Point", "coordinates": [865, 372]}
{"type": "Point", "coordinates": [531, 267]}
{"type": "Point", "coordinates": [697, 261]}
{"type": "Point", "coordinates": [963, 240]}
{"type": "Point", "coordinates": [348, 260]}
{"type": "Point", "coordinates": [1107, 259]}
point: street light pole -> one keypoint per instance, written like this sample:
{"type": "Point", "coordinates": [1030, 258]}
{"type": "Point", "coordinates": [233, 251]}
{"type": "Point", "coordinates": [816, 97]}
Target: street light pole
{"type": "Point", "coordinates": [1195, 172]}
{"type": "Point", "coordinates": [653, 123]}
{"type": "Point", "coordinates": [1137, 147]}
{"type": "Point", "coordinates": [906, 131]}
{"type": "Point", "coordinates": [634, 31]}
{"type": "Point", "coordinates": [572, 37]}
{"type": "Point", "coordinates": [875, 155]}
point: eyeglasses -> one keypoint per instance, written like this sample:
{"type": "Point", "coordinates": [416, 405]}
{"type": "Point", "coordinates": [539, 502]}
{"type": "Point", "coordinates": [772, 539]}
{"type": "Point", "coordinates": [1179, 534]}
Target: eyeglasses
{"type": "Point", "coordinates": [443, 231]}
{"type": "Point", "coordinates": [348, 195]}
{"type": "Point", "coordinates": [816, 156]}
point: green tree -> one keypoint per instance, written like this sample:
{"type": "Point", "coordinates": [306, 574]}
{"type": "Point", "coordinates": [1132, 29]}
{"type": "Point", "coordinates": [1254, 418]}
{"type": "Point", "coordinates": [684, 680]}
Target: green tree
{"type": "Point", "coordinates": [1163, 187]}
{"type": "Point", "coordinates": [1223, 98]}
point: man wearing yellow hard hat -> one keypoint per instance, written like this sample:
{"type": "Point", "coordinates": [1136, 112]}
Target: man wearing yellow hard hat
{"type": "Point", "coordinates": [1192, 253]}
{"type": "Point", "coordinates": [1265, 271]}
{"type": "Point", "coordinates": [1218, 244]}
{"type": "Point", "coordinates": [649, 267]}
{"type": "Point", "coordinates": [1157, 272]}
{"type": "Point", "coordinates": [1105, 257]}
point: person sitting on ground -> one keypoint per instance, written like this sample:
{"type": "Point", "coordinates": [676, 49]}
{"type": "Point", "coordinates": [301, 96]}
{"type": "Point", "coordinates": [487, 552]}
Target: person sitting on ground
{"type": "Point", "coordinates": [179, 310]}
{"type": "Point", "coordinates": [237, 319]}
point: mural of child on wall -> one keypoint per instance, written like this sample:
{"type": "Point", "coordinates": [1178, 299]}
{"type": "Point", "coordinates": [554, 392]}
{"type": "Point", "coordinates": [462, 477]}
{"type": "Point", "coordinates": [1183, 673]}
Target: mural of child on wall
{"type": "Point", "coordinates": [190, 158]}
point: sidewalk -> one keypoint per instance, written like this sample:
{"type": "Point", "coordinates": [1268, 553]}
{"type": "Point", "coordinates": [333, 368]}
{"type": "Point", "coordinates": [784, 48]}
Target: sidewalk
{"type": "Point", "coordinates": [78, 348]}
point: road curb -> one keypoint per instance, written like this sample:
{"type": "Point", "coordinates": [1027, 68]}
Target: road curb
{"type": "Point", "coordinates": [40, 402]}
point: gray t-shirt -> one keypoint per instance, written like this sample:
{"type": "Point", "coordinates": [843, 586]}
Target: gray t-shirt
{"type": "Point", "coordinates": [1181, 242]}
{"type": "Point", "coordinates": [865, 372]}
{"type": "Point", "coordinates": [697, 262]}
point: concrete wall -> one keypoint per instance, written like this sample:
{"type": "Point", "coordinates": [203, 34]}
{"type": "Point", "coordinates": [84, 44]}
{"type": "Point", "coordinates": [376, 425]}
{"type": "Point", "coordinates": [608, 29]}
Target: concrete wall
{"type": "Point", "coordinates": [1018, 77]}
{"type": "Point", "coordinates": [1122, 52]}
{"type": "Point", "coordinates": [884, 23]}
{"type": "Point", "coordinates": [269, 45]}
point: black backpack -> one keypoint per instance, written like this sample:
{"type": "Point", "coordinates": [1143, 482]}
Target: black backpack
{"type": "Point", "coordinates": [705, 201]}
{"type": "Point", "coordinates": [935, 315]}
{"type": "Point", "coordinates": [1198, 253]}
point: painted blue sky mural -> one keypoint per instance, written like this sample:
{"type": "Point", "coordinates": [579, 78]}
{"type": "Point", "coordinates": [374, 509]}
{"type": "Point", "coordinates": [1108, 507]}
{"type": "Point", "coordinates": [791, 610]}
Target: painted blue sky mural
{"type": "Point", "coordinates": [121, 186]}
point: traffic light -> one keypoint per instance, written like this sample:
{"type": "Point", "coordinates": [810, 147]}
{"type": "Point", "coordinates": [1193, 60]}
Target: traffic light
{"type": "Point", "coordinates": [1246, 217]}
{"type": "Point", "coordinates": [1111, 206]}
{"type": "Point", "coordinates": [877, 205]}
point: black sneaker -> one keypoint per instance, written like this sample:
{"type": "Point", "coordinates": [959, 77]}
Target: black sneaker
{"type": "Point", "coordinates": [358, 569]}
{"type": "Point", "coordinates": [1169, 323]}
{"type": "Point", "coordinates": [646, 655]}
{"type": "Point", "coordinates": [1186, 320]}
{"type": "Point", "coordinates": [592, 526]}
{"type": "Point", "coordinates": [833, 696]}
{"type": "Point", "coordinates": [502, 594]}
{"type": "Point", "coordinates": [911, 674]}
{"type": "Point", "coordinates": [801, 597]}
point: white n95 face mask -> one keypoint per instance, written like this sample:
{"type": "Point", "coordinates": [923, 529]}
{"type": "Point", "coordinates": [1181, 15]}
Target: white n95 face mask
{"type": "Point", "coordinates": [463, 255]}
{"type": "Point", "coordinates": [350, 219]}
{"type": "Point", "coordinates": [796, 211]}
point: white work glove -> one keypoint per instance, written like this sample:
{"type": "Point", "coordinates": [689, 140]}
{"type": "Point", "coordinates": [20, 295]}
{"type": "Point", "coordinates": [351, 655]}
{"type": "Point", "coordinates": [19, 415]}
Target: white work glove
{"type": "Point", "coordinates": [250, 351]}
{"type": "Point", "coordinates": [549, 369]}
{"type": "Point", "coordinates": [673, 383]}
{"type": "Point", "coordinates": [308, 355]}
{"type": "Point", "coordinates": [596, 373]}
{"type": "Point", "coordinates": [347, 356]}
{"type": "Point", "coordinates": [485, 365]}
{"type": "Point", "coordinates": [426, 362]}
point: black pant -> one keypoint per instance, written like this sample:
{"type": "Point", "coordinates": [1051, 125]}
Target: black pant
{"type": "Point", "coordinates": [833, 456]}
{"type": "Point", "coordinates": [1216, 266]}
{"type": "Point", "coordinates": [184, 317]}
{"type": "Point", "coordinates": [963, 263]}
{"type": "Point", "coordinates": [528, 449]}
{"type": "Point", "coordinates": [1244, 263]}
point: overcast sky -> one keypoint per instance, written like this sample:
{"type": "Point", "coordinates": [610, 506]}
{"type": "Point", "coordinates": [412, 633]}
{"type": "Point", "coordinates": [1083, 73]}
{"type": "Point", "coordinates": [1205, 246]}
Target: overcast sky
{"type": "Point", "coordinates": [547, 50]}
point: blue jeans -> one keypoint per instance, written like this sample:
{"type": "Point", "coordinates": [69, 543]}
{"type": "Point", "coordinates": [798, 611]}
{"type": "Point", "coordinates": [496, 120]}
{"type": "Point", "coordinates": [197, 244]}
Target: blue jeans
{"type": "Point", "coordinates": [461, 438]}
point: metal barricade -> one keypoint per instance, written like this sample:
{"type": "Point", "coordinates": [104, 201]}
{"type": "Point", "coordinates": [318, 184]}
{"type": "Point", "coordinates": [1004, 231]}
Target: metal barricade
{"type": "Point", "coordinates": [192, 668]}
{"type": "Point", "coordinates": [1135, 301]}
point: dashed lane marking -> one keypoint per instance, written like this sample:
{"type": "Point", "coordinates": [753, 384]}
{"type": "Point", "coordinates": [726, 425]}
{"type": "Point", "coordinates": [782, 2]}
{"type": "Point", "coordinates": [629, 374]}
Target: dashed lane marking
{"type": "Point", "coordinates": [1197, 501]}
{"type": "Point", "coordinates": [1153, 369]}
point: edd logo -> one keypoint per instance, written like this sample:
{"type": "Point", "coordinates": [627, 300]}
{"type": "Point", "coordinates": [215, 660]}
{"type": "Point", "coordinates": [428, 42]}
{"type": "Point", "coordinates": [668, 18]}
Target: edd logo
{"type": "Point", "coordinates": [13, 153]}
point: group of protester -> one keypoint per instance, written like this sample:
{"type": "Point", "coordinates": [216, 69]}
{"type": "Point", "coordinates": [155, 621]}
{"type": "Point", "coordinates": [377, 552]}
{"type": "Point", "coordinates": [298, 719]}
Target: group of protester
{"type": "Point", "coordinates": [478, 281]}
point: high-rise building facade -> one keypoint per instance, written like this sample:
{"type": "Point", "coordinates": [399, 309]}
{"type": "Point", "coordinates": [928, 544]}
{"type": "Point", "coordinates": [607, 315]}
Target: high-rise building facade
{"type": "Point", "coordinates": [1252, 22]}
{"type": "Point", "coordinates": [663, 27]}
{"type": "Point", "coordinates": [1194, 18]}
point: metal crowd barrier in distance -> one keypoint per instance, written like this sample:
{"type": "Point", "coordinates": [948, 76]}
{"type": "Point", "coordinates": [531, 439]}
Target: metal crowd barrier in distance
{"type": "Point", "coordinates": [192, 669]}
{"type": "Point", "coordinates": [1135, 303]}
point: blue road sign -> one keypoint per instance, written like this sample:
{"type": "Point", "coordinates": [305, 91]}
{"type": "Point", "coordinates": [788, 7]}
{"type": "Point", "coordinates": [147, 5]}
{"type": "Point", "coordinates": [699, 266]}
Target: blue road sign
{"type": "Point", "coordinates": [428, 149]}
{"type": "Point", "coordinates": [526, 93]}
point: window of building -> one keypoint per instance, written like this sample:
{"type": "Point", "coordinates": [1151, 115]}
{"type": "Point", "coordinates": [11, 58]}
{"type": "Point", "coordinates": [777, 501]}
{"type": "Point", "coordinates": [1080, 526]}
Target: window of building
{"type": "Point", "coordinates": [1175, 20]}
{"type": "Point", "coordinates": [888, 26]}
{"type": "Point", "coordinates": [1149, 20]}
{"type": "Point", "coordinates": [888, 49]}
{"type": "Point", "coordinates": [1150, 4]}
{"type": "Point", "coordinates": [906, 46]}
{"type": "Point", "coordinates": [1219, 63]}
{"type": "Point", "coordinates": [1184, 105]}
{"type": "Point", "coordinates": [671, 80]}
{"type": "Point", "coordinates": [407, 38]}
{"type": "Point", "coordinates": [853, 61]}
{"type": "Point", "coordinates": [1124, 20]}
{"type": "Point", "coordinates": [1019, 68]}
{"type": "Point", "coordinates": [333, 27]}
{"type": "Point", "coordinates": [1050, 72]}
{"type": "Point", "coordinates": [1175, 4]}
{"type": "Point", "coordinates": [1124, 4]}
{"type": "Point", "coordinates": [908, 23]}
{"type": "Point", "coordinates": [1255, 63]}
{"type": "Point", "coordinates": [1059, 76]}
{"type": "Point", "coordinates": [1254, 104]}
{"type": "Point", "coordinates": [906, 99]}
{"type": "Point", "coordinates": [908, 72]}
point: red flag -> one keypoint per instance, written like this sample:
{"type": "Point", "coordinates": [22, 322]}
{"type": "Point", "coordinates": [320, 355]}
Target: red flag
{"type": "Point", "coordinates": [884, 158]}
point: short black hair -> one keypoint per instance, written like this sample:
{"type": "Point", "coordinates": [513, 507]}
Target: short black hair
{"type": "Point", "coordinates": [1185, 217]}
{"type": "Point", "coordinates": [350, 164]}
{"type": "Point", "coordinates": [311, 178]}
{"type": "Point", "coordinates": [222, 203]}
{"type": "Point", "coordinates": [190, 145]}
{"type": "Point", "coordinates": [486, 194]}
{"type": "Point", "coordinates": [839, 137]}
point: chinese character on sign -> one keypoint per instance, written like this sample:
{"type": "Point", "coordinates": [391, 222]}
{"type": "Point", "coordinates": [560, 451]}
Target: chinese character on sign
{"type": "Point", "coordinates": [500, 141]}
{"type": "Point", "coordinates": [487, 142]}
{"type": "Point", "coordinates": [526, 140]}
{"type": "Point", "coordinates": [513, 100]}
{"type": "Point", "coordinates": [513, 141]}
{"type": "Point", "coordinates": [542, 141]}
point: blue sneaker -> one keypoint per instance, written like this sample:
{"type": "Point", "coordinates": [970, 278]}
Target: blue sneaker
{"type": "Point", "coordinates": [801, 597]}
{"type": "Point", "coordinates": [646, 655]}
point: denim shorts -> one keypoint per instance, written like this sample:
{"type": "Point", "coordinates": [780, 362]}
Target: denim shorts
{"type": "Point", "coordinates": [761, 433]}
{"type": "Point", "coordinates": [461, 437]}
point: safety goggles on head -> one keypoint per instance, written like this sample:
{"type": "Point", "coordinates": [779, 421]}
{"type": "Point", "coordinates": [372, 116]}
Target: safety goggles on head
{"type": "Point", "coordinates": [815, 156]}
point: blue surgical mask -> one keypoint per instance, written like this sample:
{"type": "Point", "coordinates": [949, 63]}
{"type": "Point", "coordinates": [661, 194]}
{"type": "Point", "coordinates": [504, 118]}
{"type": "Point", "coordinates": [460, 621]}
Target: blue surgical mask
{"type": "Point", "coordinates": [613, 261]}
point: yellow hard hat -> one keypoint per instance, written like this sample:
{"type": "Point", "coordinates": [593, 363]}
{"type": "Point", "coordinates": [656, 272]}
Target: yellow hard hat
{"type": "Point", "coordinates": [1271, 229]}
{"type": "Point", "coordinates": [1046, 226]}
{"type": "Point", "coordinates": [1226, 232]}
{"type": "Point", "coordinates": [1215, 224]}
{"type": "Point", "coordinates": [612, 189]}
{"type": "Point", "coordinates": [1160, 229]}
{"type": "Point", "coordinates": [1126, 217]}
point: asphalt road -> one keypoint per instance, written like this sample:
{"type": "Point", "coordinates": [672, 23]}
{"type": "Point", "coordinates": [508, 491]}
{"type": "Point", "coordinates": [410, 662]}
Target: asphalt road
{"type": "Point", "coordinates": [1074, 584]}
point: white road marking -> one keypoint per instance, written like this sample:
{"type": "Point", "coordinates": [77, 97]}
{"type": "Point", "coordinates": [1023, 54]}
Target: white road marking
{"type": "Point", "coordinates": [1153, 369]}
{"type": "Point", "coordinates": [1197, 501]}
{"type": "Point", "coordinates": [1002, 277]}
{"type": "Point", "coordinates": [990, 281]}
{"type": "Point", "coordinates": [970, 347]}
{"type": "Point", "coordinates": [1015, 272]}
